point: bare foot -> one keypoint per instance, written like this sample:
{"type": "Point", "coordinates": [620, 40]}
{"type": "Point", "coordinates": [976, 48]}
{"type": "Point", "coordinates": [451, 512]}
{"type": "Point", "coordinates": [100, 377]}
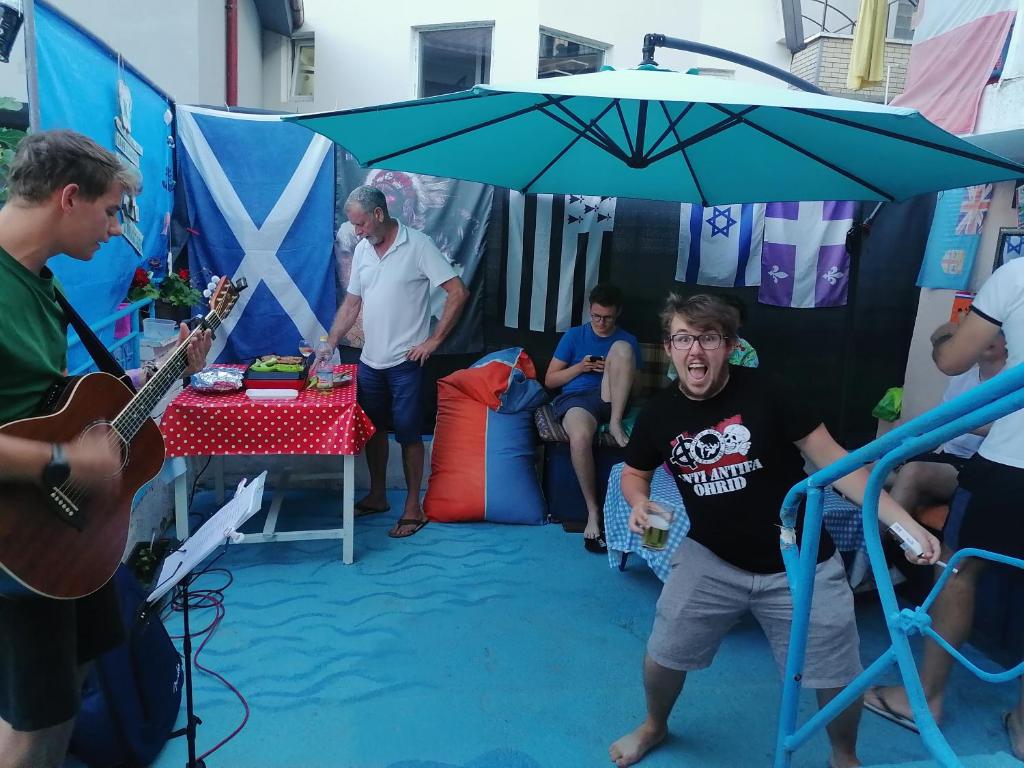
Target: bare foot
{"type": "Point", "coordinates": [616, 431]}
{"type": "Point", "coordinates": [1015, 730]}
{"type": "Point", "coordinates": [631, 748]}
{"type": "Point", "coordinates": [593, 530]}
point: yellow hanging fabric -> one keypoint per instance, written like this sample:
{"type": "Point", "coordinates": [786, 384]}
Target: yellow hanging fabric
{"type": "Point", "coordinates": [867, 57]}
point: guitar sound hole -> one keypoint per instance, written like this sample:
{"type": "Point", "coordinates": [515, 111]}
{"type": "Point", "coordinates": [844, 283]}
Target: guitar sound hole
{"type": "Point", "coordinates": [114, 436]}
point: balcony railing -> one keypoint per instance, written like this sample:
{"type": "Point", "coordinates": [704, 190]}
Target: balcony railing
{"type": "Point", "coordinates": [836, 17]}
{"type": "Point", "coordinates": [126, 347]}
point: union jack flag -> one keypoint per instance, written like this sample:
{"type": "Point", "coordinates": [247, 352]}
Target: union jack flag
{"type": "Point", "coordinates": [973, 209]}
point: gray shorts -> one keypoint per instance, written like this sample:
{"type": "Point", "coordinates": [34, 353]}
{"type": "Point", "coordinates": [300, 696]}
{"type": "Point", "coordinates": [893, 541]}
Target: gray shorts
{"type": "Point", "coordinates": [705, 597]}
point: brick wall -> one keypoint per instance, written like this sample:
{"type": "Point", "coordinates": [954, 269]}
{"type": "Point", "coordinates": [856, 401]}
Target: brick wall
{"type": "Point", "coordinates": [826, 60]}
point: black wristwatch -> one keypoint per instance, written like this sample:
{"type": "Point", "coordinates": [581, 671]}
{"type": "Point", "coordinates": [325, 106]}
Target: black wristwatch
{"type": "Point", "coordinates": [56, 472]}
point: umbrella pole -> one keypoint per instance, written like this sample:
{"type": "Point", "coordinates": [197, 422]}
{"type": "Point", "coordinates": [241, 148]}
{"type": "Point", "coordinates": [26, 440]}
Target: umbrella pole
{"type": "Point", "coordinates": [655, 40]}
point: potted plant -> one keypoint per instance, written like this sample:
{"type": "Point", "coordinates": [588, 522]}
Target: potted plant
{"type": "Point", "coordinates": [177, 295]}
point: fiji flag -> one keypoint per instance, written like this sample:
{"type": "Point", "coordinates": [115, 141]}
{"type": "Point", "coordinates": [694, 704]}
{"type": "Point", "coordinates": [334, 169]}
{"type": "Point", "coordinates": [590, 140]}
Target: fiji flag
{"type": "Point", "coordinates": [720, 245]}
{"type": "Point", "coordinates": [954, 237]}
{"type": "Point", "coordinates": [260, 195]}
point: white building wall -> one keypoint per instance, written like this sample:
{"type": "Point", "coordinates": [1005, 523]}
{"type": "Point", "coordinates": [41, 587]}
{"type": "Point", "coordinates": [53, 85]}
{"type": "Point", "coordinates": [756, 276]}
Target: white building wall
{"type": "Point", "coordinates": [160, 39]}
{"type": "Point", "coordinates": [250, 56]}
{"type": "Point", "coordinates": [178, 45]}
{"type": "Point", "coordinates": [364, 57]}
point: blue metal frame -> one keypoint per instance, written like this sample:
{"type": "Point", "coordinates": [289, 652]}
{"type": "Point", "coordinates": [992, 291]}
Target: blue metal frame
{"type": "Point", "coordinates": [987, 402]}
{"type": "Point", "coordinates": [131, 341]}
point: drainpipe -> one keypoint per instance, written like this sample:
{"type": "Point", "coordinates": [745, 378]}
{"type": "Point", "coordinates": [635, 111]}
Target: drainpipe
{"type": "Point", "coordinates": [231, 53]}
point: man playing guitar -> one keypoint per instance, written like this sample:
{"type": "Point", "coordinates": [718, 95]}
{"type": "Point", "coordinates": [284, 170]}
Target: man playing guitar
{"type": "Point", "coordinates": [65, 197]}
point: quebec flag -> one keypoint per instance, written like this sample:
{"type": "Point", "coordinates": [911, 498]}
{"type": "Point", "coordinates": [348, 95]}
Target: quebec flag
{"type": "Point", "coordinates": [720, 245]}
{"type": "Point", "coordinates": [260, 197]}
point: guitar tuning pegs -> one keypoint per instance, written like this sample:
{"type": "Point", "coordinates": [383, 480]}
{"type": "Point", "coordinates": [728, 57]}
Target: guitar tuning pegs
{"type": "Point", "coordinates": [207, 293]}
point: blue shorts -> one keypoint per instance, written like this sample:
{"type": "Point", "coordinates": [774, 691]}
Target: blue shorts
{"type": "Point", "coordinates": [391, 398]}
{"type": "Point", "coordinates": [587, 399]}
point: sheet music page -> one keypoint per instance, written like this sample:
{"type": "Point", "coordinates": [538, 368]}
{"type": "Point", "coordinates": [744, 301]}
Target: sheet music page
{"type": "Point", "coordinates": [244, 504]}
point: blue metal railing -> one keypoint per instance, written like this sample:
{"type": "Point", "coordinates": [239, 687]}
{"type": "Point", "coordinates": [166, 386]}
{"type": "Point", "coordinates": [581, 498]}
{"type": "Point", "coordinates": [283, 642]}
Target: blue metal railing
{"type": "Point", "coordinates": [986, 403]}
{"type": "Point", "coordinates": [127, 348]}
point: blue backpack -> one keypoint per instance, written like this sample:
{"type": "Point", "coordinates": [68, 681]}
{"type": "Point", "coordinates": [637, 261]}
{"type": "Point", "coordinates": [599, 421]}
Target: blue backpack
{"type": "Point", "coordinates": [131, 698]}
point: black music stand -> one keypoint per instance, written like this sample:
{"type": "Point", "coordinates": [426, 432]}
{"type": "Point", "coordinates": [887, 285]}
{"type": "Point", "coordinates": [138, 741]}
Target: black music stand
{"type": "Point", "coordinates": [178, 571]}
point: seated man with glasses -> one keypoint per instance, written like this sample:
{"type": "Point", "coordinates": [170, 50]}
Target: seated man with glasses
{"type": "Point", "coordinates": [594, 365]}
{"type": "Point", "coordinates": [733, 439]}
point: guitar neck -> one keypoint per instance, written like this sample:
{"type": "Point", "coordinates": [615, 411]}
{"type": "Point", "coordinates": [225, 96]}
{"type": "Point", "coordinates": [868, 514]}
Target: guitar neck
{"type": "Point", "coordinates": [135, 414]}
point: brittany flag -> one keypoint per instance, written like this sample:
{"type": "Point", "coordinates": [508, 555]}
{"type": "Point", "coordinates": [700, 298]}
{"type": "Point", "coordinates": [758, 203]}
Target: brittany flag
{"type": "Point", "coordinates": [556, 249]}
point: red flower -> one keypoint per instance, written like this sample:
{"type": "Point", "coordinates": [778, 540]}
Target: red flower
{"type": "Point", "coordinates": [183, 274]}
{"type": "Point", "coordinates": [140, 278]}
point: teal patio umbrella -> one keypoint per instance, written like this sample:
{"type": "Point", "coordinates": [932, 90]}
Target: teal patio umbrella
{"type": "Point", "coordinates": [662, 135]}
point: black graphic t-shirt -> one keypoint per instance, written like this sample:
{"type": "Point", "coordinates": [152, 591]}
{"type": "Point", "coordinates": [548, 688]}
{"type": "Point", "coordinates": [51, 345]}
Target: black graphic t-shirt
{"type": "Point", "coordinates": [733, 459]}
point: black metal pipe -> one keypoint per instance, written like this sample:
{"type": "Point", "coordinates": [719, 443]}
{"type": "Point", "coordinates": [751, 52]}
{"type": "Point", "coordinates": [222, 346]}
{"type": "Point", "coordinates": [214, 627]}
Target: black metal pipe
{"type": "Point", "coordinates": [654, 40]}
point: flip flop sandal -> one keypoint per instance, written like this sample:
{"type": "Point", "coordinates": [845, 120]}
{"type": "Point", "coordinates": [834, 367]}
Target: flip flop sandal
{"type": "Point", "coordinates": [597, 545]}
{"type": "Point", "coordinates": [1009, 734]}
{"type": "Point", "coordinates": [882, 709]}
{"type": "Point", "coordinates": [407, 522]}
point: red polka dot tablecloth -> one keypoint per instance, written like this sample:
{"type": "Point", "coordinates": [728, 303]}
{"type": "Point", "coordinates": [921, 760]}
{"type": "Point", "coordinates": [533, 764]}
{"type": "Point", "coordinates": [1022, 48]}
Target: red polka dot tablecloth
{"type": "Point", "coordinates": [197, 424]}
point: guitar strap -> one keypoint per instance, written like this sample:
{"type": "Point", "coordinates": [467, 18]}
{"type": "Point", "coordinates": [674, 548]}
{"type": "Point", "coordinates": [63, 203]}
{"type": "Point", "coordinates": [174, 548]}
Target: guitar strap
{"type": "Point", "coordinates": [96, 349]}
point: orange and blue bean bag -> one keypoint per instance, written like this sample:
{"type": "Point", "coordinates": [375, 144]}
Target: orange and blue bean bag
{"type": "Point", "coordinates": [482, 465]}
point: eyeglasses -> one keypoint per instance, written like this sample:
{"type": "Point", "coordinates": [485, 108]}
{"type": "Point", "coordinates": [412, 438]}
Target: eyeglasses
{"type": "Point", "coordinates": [707, 341]}
{"type": "Point", "coordinates": [602, 318]}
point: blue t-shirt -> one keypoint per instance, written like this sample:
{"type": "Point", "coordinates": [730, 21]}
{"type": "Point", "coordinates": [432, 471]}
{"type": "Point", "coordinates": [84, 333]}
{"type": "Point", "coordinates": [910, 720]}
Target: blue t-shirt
{"type": "Point", "coordinates": [580, 341]}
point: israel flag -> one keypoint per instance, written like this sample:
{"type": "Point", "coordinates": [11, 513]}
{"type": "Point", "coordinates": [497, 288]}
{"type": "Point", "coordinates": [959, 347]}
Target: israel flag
{"type": "Point", "coordinates": [260, 196]}
{"type": "Point", "coordinates": [720, 245]}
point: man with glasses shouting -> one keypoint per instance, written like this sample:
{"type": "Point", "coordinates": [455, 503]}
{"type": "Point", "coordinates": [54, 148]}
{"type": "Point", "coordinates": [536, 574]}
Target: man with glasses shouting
{"type": "Point", "coordinates": [732, 439]}
{"type": "Point", "coordinates": [594, 365]}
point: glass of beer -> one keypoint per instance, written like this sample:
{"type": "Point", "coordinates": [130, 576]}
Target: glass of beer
{"type": "Point", "coordinates": [658, 524]}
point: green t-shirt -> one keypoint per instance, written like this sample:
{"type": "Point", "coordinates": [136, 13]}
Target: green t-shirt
{"type": "Point", "coordinates": [33, 339]}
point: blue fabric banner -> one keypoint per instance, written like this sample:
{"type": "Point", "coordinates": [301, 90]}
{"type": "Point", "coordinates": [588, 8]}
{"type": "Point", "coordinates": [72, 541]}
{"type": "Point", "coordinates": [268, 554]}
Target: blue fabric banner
{"type": "Point", "coordinates": [78, 89]}
{"type": "Point", "coordinates": [954, 237]}
{"type": "Point", "coordinates": [260, 197]}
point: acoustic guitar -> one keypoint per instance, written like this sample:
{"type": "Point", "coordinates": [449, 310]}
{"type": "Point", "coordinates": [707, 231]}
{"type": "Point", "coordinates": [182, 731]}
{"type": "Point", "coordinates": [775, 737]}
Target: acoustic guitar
{"type": "Point", "coordinates": [65, 542]}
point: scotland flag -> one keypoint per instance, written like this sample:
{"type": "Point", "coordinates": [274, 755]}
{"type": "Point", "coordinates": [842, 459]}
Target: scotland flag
{"type": "Point", "coordinates": [260, 196]}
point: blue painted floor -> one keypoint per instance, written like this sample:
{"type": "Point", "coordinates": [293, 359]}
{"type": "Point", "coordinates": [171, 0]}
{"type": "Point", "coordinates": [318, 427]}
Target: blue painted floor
{"type": "Point", "coordinates": [487, 646]}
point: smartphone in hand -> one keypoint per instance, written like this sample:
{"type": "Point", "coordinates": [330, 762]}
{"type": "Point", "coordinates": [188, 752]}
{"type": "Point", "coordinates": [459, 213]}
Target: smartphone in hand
{"type": "Point", "coordinates": [595, 358]}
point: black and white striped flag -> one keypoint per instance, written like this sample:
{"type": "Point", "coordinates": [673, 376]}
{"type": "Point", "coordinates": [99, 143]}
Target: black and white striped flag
{"type": "Point", "coordinates": [556, 250]}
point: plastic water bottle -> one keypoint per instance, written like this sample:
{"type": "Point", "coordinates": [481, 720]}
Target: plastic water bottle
{"type": "Point", "coordinates": [324, 365]}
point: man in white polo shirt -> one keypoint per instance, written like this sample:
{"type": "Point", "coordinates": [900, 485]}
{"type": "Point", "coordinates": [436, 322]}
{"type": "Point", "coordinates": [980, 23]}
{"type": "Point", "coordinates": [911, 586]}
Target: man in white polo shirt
{"type": "Point", "coordinates": [394, 269]}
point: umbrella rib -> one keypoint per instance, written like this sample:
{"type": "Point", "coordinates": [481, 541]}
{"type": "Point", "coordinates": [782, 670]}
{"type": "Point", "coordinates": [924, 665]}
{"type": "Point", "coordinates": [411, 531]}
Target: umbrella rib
{"type": "Point", "coordinates": [552, 162]}
{"type": "Point", "coordinates": [1007, 164]}
{"type": "Point", "coordinates": [641, 129]}
{"type": "Point", "coordinates": [832, 166]}
{"type": "Point", "coordinates": [711, 130]}
{"type": "Point", "coordinates": [625, 128]}
{"type": "Point", "coordinates": [672, 123]}
{"type": "Point", "coordinates": [606, 143]}
{"type": "Point", "coordinates": [467, 129]}
{"type": "Point", "coordinates": [682, 150]}
{"type": "Point", "coordinates": [555, 159]}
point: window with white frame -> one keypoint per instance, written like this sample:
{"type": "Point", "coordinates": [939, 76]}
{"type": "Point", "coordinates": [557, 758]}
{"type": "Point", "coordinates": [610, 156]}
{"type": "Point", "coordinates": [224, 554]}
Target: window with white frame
{"type": "Point", "coordinates": [454, 58]}
{"type": "Point", "coordinates": [303, 69]}
{"type": "Point", "coordinates": [562, 54]}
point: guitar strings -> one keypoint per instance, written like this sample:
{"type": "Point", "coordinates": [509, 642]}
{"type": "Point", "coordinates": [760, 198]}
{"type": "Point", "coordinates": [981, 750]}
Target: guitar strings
{"type": "Point", "coordinates": [74, 491]}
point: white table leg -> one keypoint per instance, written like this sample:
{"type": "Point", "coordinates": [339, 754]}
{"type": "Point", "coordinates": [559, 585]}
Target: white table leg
{"type": "Point", "coordinates": [348, 516]}
{"type": "Point", "coordinates": [181, 506]}
{"type": "Point", "coordinates": [218, 478]}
